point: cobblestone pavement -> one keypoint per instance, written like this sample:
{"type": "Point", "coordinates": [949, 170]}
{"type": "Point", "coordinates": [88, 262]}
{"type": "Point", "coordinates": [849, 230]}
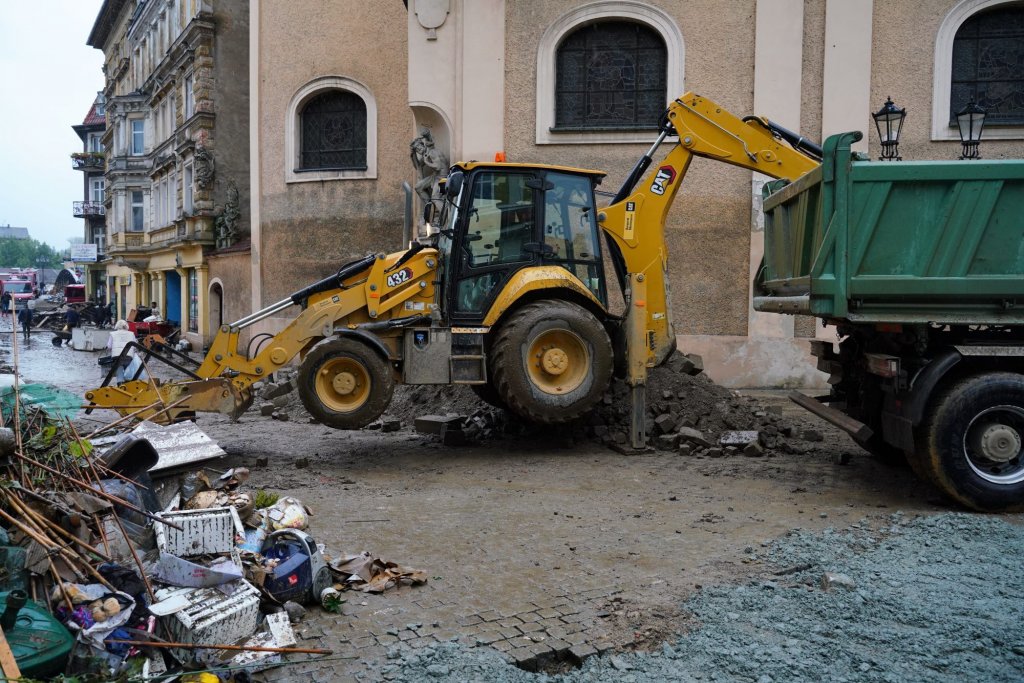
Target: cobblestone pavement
{"type": "Point", "coordinates": [541, 553]}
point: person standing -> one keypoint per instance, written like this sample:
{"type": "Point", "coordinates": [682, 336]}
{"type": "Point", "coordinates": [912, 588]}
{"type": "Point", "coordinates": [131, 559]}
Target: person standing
{"type": "Point", "coordinates": [5, 304]}
{"type": "Point", "coordinates": [25, 318]}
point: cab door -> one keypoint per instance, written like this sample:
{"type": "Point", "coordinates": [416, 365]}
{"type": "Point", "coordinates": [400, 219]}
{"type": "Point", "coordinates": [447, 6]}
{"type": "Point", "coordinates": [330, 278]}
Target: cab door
{"type": "Point", "coordinates": [498, 235]}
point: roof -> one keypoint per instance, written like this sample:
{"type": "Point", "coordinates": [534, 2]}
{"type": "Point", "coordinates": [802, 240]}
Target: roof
{"type": "Point", "coordinates": [470, 165]}
{"type": "Point", "coordinates": [7, 232]}
{"type": "Point", "coordinates": [92, 118]}
{"type": "Point", "coordinates": [104, 23]}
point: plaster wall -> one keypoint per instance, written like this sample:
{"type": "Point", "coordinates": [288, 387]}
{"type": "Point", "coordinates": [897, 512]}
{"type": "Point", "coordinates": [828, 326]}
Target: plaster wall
{"type": "Point", "coordinates": [903, 43]}
{"type": "Point", "coordinates": [231, 106]}
{"type": "Point", "coordinates": [232, 271]}
{"type": "Point", "coordinates": [309, 229]}
{"type": "Point", "coordinates": [709, 227]}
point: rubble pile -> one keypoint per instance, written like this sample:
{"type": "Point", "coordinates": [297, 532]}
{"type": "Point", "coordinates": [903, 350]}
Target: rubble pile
{"type": "Point", "coordinates": [686, 413]}
{"type": "Point", "coordinates": [121, 552]}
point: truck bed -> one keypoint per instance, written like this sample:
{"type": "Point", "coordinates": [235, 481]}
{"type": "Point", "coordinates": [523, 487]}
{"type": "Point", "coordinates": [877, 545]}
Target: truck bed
{"type": "Point", "coordinates": [896, 242]}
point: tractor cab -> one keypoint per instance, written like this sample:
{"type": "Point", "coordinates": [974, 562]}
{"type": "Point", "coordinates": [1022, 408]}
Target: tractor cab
{"type": "Point", "coordinates": [499, 219]}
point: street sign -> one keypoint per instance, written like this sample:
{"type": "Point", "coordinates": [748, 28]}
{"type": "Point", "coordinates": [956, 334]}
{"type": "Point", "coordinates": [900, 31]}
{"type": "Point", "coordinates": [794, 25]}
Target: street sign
{"type": "Point", "coordinates": [83, 253]}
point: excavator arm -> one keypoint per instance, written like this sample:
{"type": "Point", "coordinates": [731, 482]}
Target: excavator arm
{"type": "Point", "coordinates": [635, 220]}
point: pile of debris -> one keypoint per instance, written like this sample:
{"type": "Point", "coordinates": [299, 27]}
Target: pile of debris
{"type": "Point", "coordinates": [122, 552]}
{"type": "Point", "coordinates": [686, 413]}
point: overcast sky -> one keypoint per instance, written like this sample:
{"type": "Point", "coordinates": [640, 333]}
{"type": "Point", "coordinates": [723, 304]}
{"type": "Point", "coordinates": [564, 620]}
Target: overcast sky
{"type": "Point", "coordinates": [49, 78]}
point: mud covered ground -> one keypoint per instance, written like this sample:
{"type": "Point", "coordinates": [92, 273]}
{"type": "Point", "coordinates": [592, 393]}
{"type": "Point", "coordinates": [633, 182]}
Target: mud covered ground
{"type": "Point", "coordinates": [658, 566]}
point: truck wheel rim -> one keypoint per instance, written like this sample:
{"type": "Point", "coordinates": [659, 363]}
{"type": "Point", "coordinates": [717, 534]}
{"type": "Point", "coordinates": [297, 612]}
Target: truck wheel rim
{"type": "Point", "coordinates": [343, 384]}
{"type": "Point", "coordinates": [993, 445]}
{"type": "Point", "coordinates": [558, 361]}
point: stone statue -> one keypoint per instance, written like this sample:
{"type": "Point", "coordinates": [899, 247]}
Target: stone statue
{"type": "Point", "coordinates": [204, 166]}
{"type": "Point", "coordinates": [227, 222]}
{"type": "Point", "coordinates": [429, 163]}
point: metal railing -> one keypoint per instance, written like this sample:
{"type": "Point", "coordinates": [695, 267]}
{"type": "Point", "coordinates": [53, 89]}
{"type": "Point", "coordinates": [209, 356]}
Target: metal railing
{"type": "Point", "coordinates": [85, 161]}
{"type": "Point", "coordinates": [84, 209]}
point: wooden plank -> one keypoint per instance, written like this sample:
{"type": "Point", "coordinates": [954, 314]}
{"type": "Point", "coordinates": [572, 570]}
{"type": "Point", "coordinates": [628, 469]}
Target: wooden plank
{"type": "Point", "coordinates": [854, 428]}
{"type": "Point", "coordinates": [7, 662]}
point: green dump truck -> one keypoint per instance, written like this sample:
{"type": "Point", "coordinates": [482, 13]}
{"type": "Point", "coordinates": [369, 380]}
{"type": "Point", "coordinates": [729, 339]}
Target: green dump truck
{"type": "Point", "coordinates": [920, 267]}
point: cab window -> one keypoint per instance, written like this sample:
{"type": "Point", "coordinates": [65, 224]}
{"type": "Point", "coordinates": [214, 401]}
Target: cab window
{"type": "Point", "coordinates": [570, 229]}
{"type": "Point", "coordinates": [500, 220]}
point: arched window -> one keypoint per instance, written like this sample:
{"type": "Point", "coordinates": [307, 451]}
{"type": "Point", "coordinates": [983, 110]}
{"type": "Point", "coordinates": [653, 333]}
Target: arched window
{"type": "Point", "coordinates": [988, 65]}
{"type": "Point", "coordinates": [610, 75]}
{"type": "Point", "coordinates": [331, 131]}
{"type": "Point", "coordinates": [605, 73]}
{"type": "Point", "coordinates": [334, 132]}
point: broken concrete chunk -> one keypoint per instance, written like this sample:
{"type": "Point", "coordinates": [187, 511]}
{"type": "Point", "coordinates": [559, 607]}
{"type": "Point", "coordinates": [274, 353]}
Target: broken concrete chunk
{"type": "Point", "coordinates": [266, 409]}
{"type": "Point", "coordinates": [272, 391]}
{"type": "Point", "coordinates": [665, 423]}
{"type": "Point", "coordinates": [685, 449]}
{"type": "Point", "coordinates": [390, 424]}
{"type": "Point", "coordinates": [668, 442]}
{"type": "Point", "coordinates": [737, 438]}
{"type": "Point", "coordinates": [694, 436]}
{"type": "Point", "coordinates": [698, 363]}
{"type": "Point", "coordinates": [714, 453]}
{"type": "Point", "coordinates": [280, 401]}
{"type": "Point", "coordinates": [433, 424]}
{"type": "Point", "coordinates": [753, 450]}
{"type": "Point", "coordinates": [281, 415]}
{"type": "Point", "coordinates": [830, 580]}
{"type": "Point", "coordinates": [812, 435]}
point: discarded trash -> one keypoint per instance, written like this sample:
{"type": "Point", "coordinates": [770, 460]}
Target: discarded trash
{"type": "Point", "coordinates": [288, 513]}
{"type": "Point", "coordinates": [40, 644]}
{"type": "Point", "coordinates": [300, 573]}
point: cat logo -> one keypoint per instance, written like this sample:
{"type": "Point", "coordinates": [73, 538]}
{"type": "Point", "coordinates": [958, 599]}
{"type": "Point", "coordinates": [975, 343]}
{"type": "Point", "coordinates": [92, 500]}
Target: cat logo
{"type": "Point", "coordinates": [664, 178]}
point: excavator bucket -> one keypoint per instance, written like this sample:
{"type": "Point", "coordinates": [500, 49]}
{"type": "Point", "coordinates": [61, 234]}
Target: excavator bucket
{"type": "Point", "coordinates": [172, 401]}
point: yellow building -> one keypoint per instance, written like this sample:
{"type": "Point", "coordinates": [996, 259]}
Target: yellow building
{"type": "Point", "coordinates": [176, 144]}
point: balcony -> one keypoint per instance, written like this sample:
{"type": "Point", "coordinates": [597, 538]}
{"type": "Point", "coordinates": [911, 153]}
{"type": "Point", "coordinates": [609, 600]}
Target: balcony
{"type": "Point", "coordinates": [89, 209]}
{"type": "Point", "coordinates": [88, 161]}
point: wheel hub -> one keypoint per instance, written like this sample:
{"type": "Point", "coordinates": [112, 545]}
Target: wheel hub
{"type": "Point", "coordinates": [999, 443]}
{"type": "Point", "coordinates": [344, 383]}
{"type": "Point", "coordinates": [555, 361]}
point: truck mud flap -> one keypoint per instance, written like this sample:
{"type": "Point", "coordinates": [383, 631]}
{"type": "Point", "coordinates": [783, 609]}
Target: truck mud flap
{"type": "Point", "coordinates": [855, 428]}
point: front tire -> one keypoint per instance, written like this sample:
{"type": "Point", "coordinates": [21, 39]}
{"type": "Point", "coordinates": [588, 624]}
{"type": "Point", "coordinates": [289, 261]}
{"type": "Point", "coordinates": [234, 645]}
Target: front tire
{"type": "Point", "coordinates": [971, 442]}
{"type": "Point", "coordinates": [344, 383]}
{"type": "Point", "coordinates": [552, 361]}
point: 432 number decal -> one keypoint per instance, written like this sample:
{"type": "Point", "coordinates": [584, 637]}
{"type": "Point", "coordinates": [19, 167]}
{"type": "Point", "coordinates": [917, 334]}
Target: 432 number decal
{"type": "Point", "coordinates": [399, 276]}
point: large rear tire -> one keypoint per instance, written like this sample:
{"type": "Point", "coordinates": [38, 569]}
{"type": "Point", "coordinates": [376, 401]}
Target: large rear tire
{"type": "Point", "coordinates": [489, 395]}
{"type": "Point", "coordinates": [344, 383]}
{"type": "Point", "coordinates": [552, 361]}
{"type": "Point", "coordinates": [971, 442]}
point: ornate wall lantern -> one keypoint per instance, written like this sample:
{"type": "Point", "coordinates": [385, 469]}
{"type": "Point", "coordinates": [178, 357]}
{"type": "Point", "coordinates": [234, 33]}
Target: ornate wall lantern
{"type": "Point", "coordinates": [970, 120]}
{"type": "Point", "coordinates": [889, 122]}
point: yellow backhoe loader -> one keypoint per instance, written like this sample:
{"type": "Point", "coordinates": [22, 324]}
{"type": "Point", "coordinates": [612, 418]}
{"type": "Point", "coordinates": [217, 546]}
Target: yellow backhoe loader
{"type": "Point", "coordinates": [509, 295]}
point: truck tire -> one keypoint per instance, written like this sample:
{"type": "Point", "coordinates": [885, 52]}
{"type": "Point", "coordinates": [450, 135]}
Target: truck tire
{"type": "Point", "coordinates": [552, 361]}
{"type": "Point", "coordinates": [344, 383]}
{"type": "Point", "coordinates": [489, 395]}
{"type": "Point", "coordinates": [970, 443]}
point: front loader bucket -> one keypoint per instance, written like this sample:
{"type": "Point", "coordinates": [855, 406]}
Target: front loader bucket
{"type": "Point", "coordinates": [172, 401]}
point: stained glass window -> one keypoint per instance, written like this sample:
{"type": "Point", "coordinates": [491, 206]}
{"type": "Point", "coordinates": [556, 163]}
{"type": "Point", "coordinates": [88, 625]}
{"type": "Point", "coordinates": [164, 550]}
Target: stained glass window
{"type": "Point", "coordinates": [610, 76]}
{"type": "Point", "coordinates": [334, 132]}
{"type": "Point", "coordinates": [988, 65]}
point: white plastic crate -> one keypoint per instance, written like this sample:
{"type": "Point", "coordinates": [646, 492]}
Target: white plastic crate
{"type": "Point", "coordinates": [203, 532]}
{"type": "Point", "coordinates": [212, 618]}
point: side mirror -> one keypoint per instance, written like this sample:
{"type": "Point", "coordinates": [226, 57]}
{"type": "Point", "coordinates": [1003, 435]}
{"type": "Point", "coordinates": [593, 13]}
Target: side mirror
{"type": "Point", "coordinates": [429, 212]}
{"type": "Point", "coordinates": [453, 186]}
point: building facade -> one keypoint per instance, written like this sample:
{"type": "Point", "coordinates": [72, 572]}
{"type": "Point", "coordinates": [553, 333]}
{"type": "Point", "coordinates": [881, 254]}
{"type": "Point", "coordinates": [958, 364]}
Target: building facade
{"type": "Point", "coordinates": [582, 83]}
{"type": "Point", "coordinates": [92, 209]}
{"type": "Point", "coordinates": [176, 147]}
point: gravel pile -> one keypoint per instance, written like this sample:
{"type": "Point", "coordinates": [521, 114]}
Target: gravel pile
{"type": "Point", "coordinates": [926, 599]}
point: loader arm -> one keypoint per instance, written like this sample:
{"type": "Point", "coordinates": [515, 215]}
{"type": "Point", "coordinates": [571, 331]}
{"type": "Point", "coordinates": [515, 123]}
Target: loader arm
{"type": "Point", "coordinates": [364, 293]}
{"type": "Point", "coordinates": [635, 221]}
